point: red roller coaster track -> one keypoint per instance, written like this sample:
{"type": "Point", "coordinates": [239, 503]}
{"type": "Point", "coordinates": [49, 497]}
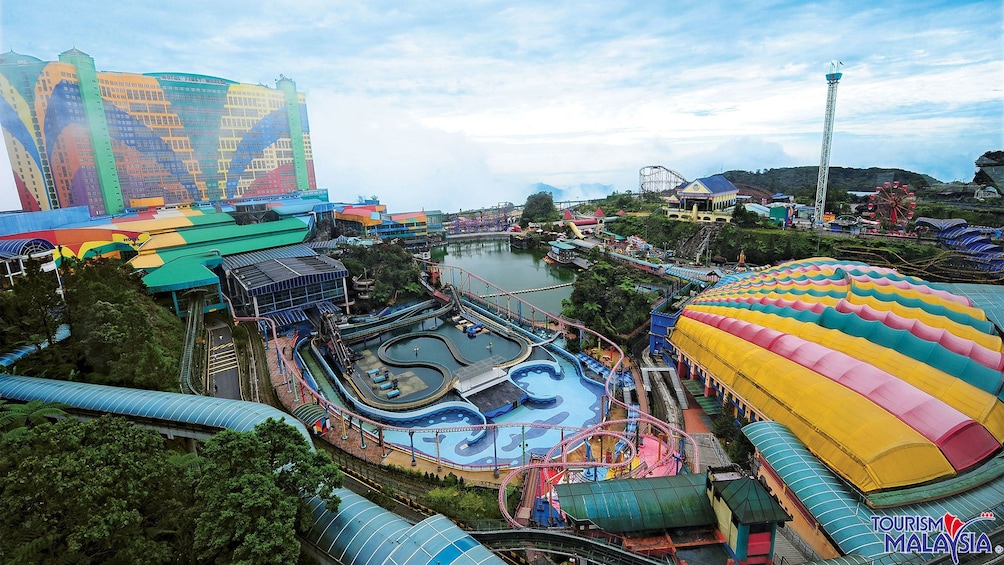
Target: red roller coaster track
{"type": "Point", "coordinates": [642, 421]}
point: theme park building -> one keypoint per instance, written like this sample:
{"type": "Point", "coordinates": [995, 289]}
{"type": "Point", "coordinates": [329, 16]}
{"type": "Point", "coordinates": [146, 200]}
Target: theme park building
{"type": "Point", "coordinates": [868, 395]}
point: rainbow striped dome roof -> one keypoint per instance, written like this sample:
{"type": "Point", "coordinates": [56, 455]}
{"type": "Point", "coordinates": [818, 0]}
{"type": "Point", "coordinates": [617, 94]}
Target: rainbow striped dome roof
{"type": "Point", "coordinates": [888, 380]}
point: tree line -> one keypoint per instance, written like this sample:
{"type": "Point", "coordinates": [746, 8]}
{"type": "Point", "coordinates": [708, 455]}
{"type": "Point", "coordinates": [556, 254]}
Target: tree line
{"type": "Point", "coordinates": [107, 491]}
{"type": "Point", "coordinates": [118, 334]}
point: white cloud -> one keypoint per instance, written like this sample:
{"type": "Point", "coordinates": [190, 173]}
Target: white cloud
{"type": "Point", "coordinates": [369, 148]}
{"type": "Point", "coordinates": [441, 104]}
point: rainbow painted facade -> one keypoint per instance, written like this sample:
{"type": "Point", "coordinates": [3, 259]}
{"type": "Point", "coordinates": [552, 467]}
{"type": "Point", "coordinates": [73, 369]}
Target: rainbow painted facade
{"type": "Point", "coordinates": [112, 141]}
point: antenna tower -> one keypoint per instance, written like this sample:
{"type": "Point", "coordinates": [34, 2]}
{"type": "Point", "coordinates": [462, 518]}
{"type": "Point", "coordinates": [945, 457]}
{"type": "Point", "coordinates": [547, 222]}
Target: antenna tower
{"type": "Point", "coordinates": [832, 78]}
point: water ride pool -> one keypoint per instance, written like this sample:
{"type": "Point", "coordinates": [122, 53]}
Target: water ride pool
{"type": "Point", "coordinates": [453, 429]}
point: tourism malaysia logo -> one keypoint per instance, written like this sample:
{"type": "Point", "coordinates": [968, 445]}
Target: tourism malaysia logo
{"type": "Point", "coordinates": [926, 534]}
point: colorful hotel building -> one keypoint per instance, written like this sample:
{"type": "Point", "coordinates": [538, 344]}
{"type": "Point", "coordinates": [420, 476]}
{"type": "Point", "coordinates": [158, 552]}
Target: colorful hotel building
{"type": "Point", "coordinates": [112, 141]}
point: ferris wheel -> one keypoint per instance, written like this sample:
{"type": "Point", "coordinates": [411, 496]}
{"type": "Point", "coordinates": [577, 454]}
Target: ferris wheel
{"type": "Point", "coordinates": [892, 202]}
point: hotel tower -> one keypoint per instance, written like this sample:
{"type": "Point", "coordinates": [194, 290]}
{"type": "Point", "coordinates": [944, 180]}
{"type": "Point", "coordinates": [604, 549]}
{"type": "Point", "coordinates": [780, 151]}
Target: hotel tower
{"type": "Point", "coordinates": [112, 141]}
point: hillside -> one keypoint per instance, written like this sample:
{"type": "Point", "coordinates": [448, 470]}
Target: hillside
{"type": "Point", "coordinates": [801, 181]}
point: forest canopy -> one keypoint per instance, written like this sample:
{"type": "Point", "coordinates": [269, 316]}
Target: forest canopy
{"type": "Point", "coordinates": [107, 491]}
{"type": "Point", "coordinates": [118, 334]}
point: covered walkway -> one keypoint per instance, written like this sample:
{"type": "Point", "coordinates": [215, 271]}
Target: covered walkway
{"type": "Point", "coordinates": [359, 532]}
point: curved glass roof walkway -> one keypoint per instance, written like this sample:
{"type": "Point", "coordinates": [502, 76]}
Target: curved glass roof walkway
{"type": "Point", "coordinates": [360, 532]}
{"type": "Point", "coordinates": [841, 512]}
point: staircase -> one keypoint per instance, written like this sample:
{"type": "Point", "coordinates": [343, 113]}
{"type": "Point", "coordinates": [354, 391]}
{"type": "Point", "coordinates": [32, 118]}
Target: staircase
{"type": "Point", "coordinates": [700, 241]}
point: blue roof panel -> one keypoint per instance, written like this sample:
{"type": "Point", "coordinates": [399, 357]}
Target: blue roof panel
{"type": "Point", "coordinates": [718, 184]}
{"type": "Point", "coordinates": [838, 508]}
{"type": "Point", "coordinates": [214, 412]}
{"type": "Point", "coordinates": [360, 532]}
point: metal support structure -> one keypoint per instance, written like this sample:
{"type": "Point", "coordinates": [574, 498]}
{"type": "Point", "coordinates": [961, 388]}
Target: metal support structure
{"type": "Point", "coordinates": [523, 443]}
{"type": "Point", "coordinates": [832, 78]}
{"type": "Point", "coordinates": [411, 438]}
{"type": "Point", "coordinates": [439, 458]}
{"type": "Point", "coordinates": [495, 450]}
{"type": "Point", "coordinates": [658, 179]}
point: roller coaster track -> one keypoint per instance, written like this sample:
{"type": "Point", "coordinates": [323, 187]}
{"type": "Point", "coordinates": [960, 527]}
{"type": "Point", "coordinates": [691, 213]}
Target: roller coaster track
{"type": "Point", "coordinates": [404, 322]}
{"type": "Point", "coordinates": [585, 434]}
{"type": "Point", "coordinates": [946, 265]}
{"type": "Point", "coordinates": [573, 434]}
{"type": "Point", "coordinates": [596, 551]}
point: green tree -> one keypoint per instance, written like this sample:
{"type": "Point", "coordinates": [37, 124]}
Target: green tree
{"type": "Point", "coordinates": [119, 335]}
{"type": "Point", "coordinates": [247, 520]}
{"type": "Point", "coordinates": [251, 488]}
{"type": "Point", "coordinates": [20, 417]}
{"type": "Point", "coordinates": [606, 299]}
{"type": "Point", "coordinates": [103, 329]}
{"type": "Point", "coordinates": [539, 208]}
{"type": "Point", "coordinates": [627, 201]}
{"type": "Point", "coordinates": [105, 491]}
{"type": "Point", "coordinates": [743, 218]}
{"type": "Point", "coordinates": [741, 449]}
{"type": "Point", "coordinates": [391, 265]}
{"type": "Point", "coordinates": [724, 427]}
{"type": "Point", "coordinates": [35, 306]}
{"type": "Point", "coordinates": [464, 503]}
{"type": "Point", "coordinates": [100, 491]}
{"type": "Point", "coordinates": [656, 229]}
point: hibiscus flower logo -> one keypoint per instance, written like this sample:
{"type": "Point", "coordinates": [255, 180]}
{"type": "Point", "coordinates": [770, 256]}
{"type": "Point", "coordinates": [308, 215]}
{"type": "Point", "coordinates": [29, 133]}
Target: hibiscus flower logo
{"type": "Point", "coordinates": [954, 527]}
{"type": "Point", "coordinates": [953, 524]}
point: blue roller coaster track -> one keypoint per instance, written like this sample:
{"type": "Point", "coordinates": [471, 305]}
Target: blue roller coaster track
{"type": "Point", "coordinates": [973, 242]}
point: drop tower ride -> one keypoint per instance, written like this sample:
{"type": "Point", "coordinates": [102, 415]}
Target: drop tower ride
{"type": "Point", "coordinates": [832, 78]}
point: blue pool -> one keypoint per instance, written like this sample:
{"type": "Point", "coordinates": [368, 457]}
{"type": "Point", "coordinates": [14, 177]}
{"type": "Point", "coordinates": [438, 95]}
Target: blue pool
{"type": "Point", "coordinates": [564, 401]}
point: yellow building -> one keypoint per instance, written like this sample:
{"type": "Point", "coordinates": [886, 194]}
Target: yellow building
{"type": "Point", "coordinates": [704, 200]}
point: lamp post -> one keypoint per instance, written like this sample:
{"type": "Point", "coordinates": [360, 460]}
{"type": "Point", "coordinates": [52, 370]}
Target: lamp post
{"type": "Point", "coordinates": [523, 444]}
{"type": "Point", "coordinates": [495, 450]}
{"type": "Point", "coordinates": [411, 438]}
{"type": "Point", "coordinates": [439, 459]}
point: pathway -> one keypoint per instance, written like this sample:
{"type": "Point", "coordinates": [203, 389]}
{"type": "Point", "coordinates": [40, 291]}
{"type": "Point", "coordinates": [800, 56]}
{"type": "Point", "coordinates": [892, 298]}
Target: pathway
{"type": "Point", "coordinates": [224, 376]}
{"type": "Point", "coordinates": [527, 290]}
{"type": "Point", "coordinates": [697, 423]}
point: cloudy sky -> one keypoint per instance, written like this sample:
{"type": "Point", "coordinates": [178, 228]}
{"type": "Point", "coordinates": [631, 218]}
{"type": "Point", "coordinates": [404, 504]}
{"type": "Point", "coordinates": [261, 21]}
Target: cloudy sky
{"type": "Point", "coordinates": [455, 104]}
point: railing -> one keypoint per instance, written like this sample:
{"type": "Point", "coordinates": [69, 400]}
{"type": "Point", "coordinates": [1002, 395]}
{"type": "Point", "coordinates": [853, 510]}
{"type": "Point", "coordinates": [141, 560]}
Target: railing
{"type": "Point", "coordinates": [528, 290]}
{"type": "Point", "coordinates": [577, 434]}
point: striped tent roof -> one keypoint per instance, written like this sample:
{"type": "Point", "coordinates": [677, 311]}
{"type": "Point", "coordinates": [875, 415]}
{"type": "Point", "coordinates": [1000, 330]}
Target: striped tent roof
{"type": "Point", "coordinates": [888, 380]}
